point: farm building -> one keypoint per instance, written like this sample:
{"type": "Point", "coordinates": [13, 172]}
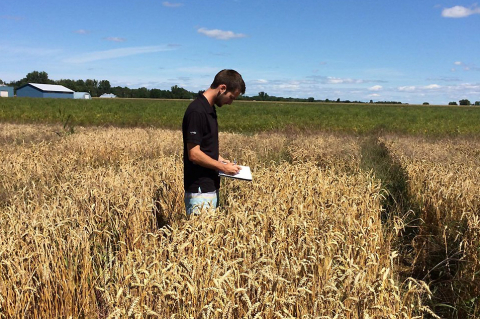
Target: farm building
{"type": "Point", "coordinates": [44, 90]}
{"type": "Point", "coordinates": [108, 96]}
{"type": "Point", "coordinates": [6, 91]}
{"type": "Point", "coordinates": [82, 96]}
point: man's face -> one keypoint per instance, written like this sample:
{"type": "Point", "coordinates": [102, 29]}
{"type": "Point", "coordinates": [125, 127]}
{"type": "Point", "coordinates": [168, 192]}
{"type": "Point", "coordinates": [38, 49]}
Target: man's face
{"type": "Point", "coordinates": [226, 98]}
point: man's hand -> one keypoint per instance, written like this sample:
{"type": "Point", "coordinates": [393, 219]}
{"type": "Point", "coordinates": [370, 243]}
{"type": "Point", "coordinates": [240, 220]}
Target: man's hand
{"type": "Point", "coordinates": [223, 160]}
{"type": "Point", "coordinates": [200, 158]}
{"type": "Point", "coordinates": [230, 168]}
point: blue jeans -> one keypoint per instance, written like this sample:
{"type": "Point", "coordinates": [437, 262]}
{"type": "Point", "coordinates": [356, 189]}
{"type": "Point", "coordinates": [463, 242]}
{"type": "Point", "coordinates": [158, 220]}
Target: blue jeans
{"type": "Point", "coordinates": [194, 202]}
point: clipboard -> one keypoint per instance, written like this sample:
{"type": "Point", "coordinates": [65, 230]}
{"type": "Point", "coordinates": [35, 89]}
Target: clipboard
{"type": "Point", "coordinates": [244, 174]}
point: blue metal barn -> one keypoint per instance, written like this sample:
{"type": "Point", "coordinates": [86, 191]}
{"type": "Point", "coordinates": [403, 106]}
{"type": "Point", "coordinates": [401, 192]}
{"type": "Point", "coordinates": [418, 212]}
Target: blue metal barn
{"type": "Point", "coordinates": [6, 91]}
{"type": "Point", "coordinates": [44, 90]}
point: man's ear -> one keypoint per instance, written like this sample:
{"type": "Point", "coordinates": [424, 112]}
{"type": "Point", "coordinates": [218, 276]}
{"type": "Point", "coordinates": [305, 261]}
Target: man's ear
{"type": "Point", "coordinates": [223, 88]}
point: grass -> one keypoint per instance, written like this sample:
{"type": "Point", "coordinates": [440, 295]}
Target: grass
{"type": "Point", "coordinates": [250, 117]}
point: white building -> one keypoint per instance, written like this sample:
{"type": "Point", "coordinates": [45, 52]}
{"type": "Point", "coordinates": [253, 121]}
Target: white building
{"type": "Point", "coordinates": [108, 96]}
{"type": "Point", "coordinates": [82, 96]}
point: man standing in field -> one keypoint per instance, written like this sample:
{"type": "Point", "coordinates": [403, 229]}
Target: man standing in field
{"type": "Point", "coordinates": [201, 158]}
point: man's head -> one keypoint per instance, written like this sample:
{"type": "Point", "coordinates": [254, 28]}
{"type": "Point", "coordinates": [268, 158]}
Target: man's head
{"type": "Point", "coordinates": [229, 85]}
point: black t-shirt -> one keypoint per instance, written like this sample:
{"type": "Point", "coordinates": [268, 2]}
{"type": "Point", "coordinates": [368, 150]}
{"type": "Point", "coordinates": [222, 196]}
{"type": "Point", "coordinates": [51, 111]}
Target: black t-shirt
{"type": "Point", "coordinates": [200, 127]}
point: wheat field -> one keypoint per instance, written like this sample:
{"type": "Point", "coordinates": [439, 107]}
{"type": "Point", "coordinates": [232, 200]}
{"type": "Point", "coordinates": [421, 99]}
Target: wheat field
{"type": "Point", "coordinates": [92, 225]}
{"type": "Point", "coordinates": [444, 179]}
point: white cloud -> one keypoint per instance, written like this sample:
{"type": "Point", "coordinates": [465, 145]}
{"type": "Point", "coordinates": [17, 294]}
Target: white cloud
{"type": "Point", "coordinates": [410, 88]}
{"type": "Point", "coordinates": [374, 95]}
{"type": "Point", "coordinates": [293, 85]}
{"type": "Point", "coordinates": [82, 31]}
{"type": "Point", "coordinates": [459, 12]}
{"type": "Point", "coordinates": [376, 88]}
{"type": "Point", "coordinates": [334, 80]}
{"type": "Point", "coordinates": [220, 34]}
{"type": "Point", "coordinates": [413, 88]}
{"type": "Point", "coordinates": [469, 86]}
{"type": "Point", "coordinates": [116, 53]}
{"type": "Point", "coordinates": [115, 39]}
{"type": "Point", "coordinates": [466, 66]}
{"type": "Point", "coordinates": [172, 4]}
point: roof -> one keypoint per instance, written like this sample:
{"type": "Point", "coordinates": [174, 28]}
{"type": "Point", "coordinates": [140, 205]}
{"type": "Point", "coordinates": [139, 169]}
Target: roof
{"type": "Point", "coordinates": [108, 95]}
{"type": "Point", "coordinates": [50, 87]}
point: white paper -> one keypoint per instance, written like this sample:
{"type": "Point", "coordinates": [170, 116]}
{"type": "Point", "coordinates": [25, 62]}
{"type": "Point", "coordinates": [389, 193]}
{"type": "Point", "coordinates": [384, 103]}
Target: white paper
{"type": "Point", "coordinates": [245, 173]}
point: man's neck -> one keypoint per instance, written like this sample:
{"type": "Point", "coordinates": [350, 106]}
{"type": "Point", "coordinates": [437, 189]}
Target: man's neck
{"type": "Point", "coordinates": [210, 95]}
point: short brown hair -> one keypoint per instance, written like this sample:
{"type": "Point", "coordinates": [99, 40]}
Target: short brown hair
{"type": "Point", "coordinates": [231, 78]}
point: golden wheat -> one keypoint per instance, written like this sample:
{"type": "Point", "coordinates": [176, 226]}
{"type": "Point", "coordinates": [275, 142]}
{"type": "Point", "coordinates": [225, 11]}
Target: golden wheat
{"type": "Point", "coordinates": [444, 178]}
{"type": "Point", "coordinates": [79, 218]}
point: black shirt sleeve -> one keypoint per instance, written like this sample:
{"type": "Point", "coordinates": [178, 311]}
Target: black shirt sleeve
{"type": "Point", "coordinates": [194, 126]}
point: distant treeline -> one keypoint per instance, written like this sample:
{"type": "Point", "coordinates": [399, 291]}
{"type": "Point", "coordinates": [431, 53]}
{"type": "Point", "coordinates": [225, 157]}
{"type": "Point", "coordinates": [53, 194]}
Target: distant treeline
{"type": "Point", "coordinates": [96, 88]}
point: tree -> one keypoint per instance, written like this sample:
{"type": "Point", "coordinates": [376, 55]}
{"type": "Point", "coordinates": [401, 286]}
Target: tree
{"type": "Point", "coordinates": [426, 103]}
{"type": "Point", "coordinates": [311, 99]}
{"type": "Point", "coordinates": [104, 87]}
{"type": "Point", "coordinates": [38, 77]}
{"type": "Point", "coordinates": [180, 93]}
{"type": "Point", "coordinates": [452, 103]}
{"type": "Point", "coordinates": [155, 93]}
{"type": "Point", "coordinates": [262, 96]}
{"type": "Point", "coordinates": [91, 87]}
{"type": "Point", "coordinates": [477, 102]}
{"type": "Point", "coordinates": [464, 102]}
{"type": "Point", "coordinates": [141, 93]}
{"type": "Point", "coordinates": [33, 77]}
{"type": "Point", "coordinates": [1, 82]}
{"type": "Point", "coordinates": [80, 85]}
{"type": "Point", "coordinates": [121, 92]}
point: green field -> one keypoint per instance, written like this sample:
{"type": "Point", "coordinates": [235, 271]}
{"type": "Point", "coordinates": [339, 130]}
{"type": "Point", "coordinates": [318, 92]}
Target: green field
{"type": "Point", "coordinates": [249, 117]}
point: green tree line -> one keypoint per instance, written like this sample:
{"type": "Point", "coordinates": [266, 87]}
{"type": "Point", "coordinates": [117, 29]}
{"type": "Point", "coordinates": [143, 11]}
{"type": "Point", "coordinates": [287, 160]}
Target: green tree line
{"type": "Point", "coordinates": [99, 87]}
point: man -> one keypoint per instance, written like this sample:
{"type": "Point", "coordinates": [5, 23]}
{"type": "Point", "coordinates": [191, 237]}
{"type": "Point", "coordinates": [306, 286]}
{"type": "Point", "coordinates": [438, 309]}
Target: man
{"type": "Point", "coordinates": [201, 157]}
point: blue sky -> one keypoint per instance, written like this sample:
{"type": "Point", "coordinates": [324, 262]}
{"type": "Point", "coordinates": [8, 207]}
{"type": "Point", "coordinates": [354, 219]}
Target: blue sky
{"type": "Point", "coordinates": [384, 50]}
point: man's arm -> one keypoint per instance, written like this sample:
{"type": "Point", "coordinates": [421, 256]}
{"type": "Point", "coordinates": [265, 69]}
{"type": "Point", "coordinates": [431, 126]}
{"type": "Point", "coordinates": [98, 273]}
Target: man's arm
{"type": "Point", "coordinates": [200, 158]}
